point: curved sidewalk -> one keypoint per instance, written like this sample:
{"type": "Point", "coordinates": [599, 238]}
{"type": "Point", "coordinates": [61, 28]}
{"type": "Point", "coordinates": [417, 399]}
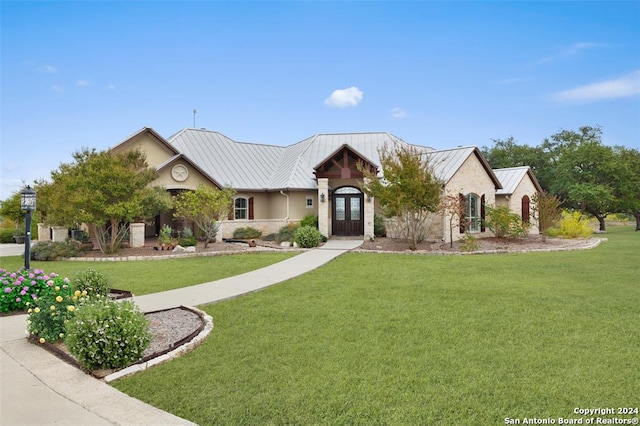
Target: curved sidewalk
{"type": "Point", "coordinates": [38, 388]}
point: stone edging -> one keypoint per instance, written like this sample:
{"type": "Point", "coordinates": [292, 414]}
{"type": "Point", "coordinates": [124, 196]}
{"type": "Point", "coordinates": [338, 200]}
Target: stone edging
{"type": "Point", "coordinates": [171, 256]}
{"type": "Point", "coordinates": [178, 352]}
{"type": "Point", "coordinates": [592, 243]}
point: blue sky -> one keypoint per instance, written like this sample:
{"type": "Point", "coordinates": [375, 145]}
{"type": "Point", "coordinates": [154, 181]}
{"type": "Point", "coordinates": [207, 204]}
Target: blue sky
{"type": "Point", "coordinates": [441, 74]}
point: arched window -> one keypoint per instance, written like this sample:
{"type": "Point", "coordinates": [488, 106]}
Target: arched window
{"type": "Point", "coordinates": [241, 208]}
{"type": "Point", "coordinates": [472, 212]}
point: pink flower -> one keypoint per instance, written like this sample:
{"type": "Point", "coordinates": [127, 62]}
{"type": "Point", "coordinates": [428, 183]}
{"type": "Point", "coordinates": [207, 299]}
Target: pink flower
{"type": "Point", "coordinates": [22, 293]}
{"type": "Point", "coordinates": [18, 299]}
{"type": "Point", "coordinates": [7, 289]}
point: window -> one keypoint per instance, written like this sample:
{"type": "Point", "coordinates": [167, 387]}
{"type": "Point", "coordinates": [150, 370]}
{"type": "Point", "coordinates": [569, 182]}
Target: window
{"type": "Point", "coordinates": [309, 202]}
{"type": "Point", "coordinates": [472, 212]}
{"type": "Point", "coordinates": [240, 208]}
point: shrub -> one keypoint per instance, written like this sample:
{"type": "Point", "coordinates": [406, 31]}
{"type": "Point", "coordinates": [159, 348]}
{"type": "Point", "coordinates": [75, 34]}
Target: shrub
{"type": "Point", "coordinates": [504, 223]}
{"type": "Point", "coordinates": [378, 226]}
{"type": "Point", "coordinates": [107, 334]}
{"type": "Point", "coordinates": [310, 220]}
{"type": "Point", "coordinates": [49, 250]}
{"type": "Point", "coordinates": [6, 236]}
{"type": "Point", "coordinates": [165, 236]}
{"type": "Point", "coordinates": [572, 225]}
{"type": "Point", "coordinates": [286, 233]}
{"type": "Point", "coordinates": [307, 237]}
{"type": "Point", "coordinates": [247, 233]}
{"type": "Point", "coordinates": [469, 243]}
{"type": "Point", "coordinates": [22, 288]}
{"type": "Point", "coordinates": [187, 238]}
{"type": "Point", "coordinates": [93, 282]}
{"type": "Point", "coordinates": [50, 313]}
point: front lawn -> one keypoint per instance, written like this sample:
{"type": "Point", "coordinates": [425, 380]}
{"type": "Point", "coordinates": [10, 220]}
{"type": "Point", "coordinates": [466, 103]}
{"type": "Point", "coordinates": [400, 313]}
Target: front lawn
{"type": "Point", "coordinates": [408, 339]}
{"type": "Point", "coordinates": [151, 276]}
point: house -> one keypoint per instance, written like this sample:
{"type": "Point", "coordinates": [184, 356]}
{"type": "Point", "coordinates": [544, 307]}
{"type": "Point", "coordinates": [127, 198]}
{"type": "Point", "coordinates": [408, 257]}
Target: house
{"type": "Point", "coordinates": [518, 186]}
{"type": "Point", "coordinates": [277, 185]}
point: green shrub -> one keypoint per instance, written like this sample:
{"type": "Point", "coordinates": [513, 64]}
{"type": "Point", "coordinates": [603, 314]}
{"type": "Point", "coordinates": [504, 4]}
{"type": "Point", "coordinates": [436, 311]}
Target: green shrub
{"type": "Point", "coordinates": [107, 334]}
{"type": "Point", "coordinates": [6, 236]}
{"type": "Point", "coordinates": [307, 237]}
{"type": "Point", "coordinates": [247, 233]}
{"type": "Point", "coordinates": [187, 238]}
{"type": "Point", "coordinates": [310, 220]}
{"type": "Point", "coordinates": [49, 250]}
{"type": "Point", "coordinates": [378, 226]}
{"type": "Point", "coordinates": [572, 225]}
{"type": "Point", "coordinates": [93, 282]}
{"type": "Point", "coordinates": [50, 313]}
{"type": "Point", "coordinates": [469, 243]}
{"type": "Point", "coordinates": [504, 223]}
{"type": "Point", "coordinates": [166, 234]}
{"type": "Point", "coordinates": [286, 233]}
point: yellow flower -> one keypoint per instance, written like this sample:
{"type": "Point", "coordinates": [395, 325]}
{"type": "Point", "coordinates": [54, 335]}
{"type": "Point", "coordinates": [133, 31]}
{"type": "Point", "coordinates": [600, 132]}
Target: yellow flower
{"type": "Point", "coordinates": [61, 335]}
{"type": "Point", "coordinates": [59, 299]}
{"type": "Point", "coordinates": [74, 298]}
{"type": "Point", "coordinates": [53, 308]}
{"type": "Point", "coordinates": [36, 310]}
{"type": "Point", "coordinates": [30, 310]}
{"type": "Point", "coordinates": [57, 288]}
{"type": "Point", "coordinates": [71, 308]}
{"type": "Point", "coordinates": [42, 340]}
{"type": "Point", "coordinates": [76, 293]}
{"type": "Point", "coordinates": [84, 292]}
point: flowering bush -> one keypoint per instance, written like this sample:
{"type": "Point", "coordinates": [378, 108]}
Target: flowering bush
{"type": "Point", "coordinates": [92, 281]}
{"type": "Point", "coordinates": [571, 225]}
{"type": "Point", "coordinates": [107, 334]}
{"type": "Point", "coordinates": [20, 289]}
{"type": "Point", "coordinates": [50, 313]}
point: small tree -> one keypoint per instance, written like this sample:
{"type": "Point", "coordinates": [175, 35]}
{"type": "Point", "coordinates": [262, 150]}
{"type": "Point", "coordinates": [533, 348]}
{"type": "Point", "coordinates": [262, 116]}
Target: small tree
{"type": "Point", "coordinates": [408, 190]}
{"type": "Point", "coordinates": [546, 210]}
{"type": "Point", "coordinates": [105, 190]}
{"type": "Point", "coordinates": [206, 207]}
{"type": "Point", "coordinates": [454, 209]}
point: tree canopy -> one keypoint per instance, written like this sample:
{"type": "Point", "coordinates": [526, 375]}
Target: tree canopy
{"type": "Point", "coordinates": [207, 207]}
{"type": "Point", "coordinates": [104, 190]}
{"type": "Point", "coordinates": [408, 190]}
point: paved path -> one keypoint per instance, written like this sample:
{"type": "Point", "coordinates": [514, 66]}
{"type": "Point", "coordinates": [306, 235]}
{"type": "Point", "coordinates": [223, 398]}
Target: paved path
{"type": "Point", "coordinates": [36, 388]}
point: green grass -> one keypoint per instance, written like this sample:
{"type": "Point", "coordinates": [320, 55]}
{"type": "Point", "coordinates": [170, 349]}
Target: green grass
{"type": "Point", "coordinates": [402, 339]}
{"type": "Point", "coordinates": [152, 276]}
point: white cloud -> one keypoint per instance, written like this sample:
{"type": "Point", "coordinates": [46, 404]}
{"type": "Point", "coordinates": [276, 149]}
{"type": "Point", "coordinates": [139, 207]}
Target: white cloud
{"type": "Point", "coordinates": [343, 98]}
{"type": "Point", "coordinates": [50, 69]}
{"type": "Point", "coordinates": [57, 89]}
{"type": "Point", "coordinates": [398, 112]}
{"type": "Point", "coordinates": [621, 87]}
{"type": "Point", "coordinates": [82, 83]}
{"type": "Point", "coordinates": [572, 50]}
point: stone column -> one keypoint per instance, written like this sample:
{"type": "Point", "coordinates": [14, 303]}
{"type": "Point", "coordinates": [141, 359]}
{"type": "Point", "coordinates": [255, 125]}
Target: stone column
{"type": "Point", "coordinates": [369, 210]}
{"type": "Point", "coordinates": [60, 233]}
{"type": "Point", "coordinates": [323, 206]}
{"type": "Point", "coordinates": [136, 234]}
{"type": "Point", "coordinates": [44, 232]}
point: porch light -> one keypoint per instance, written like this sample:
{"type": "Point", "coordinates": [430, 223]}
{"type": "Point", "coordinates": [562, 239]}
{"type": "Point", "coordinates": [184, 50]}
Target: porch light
{"type": "Point", "coordinates": [28, 204]}
{"type": "Point", "coordinates": [322, 197]}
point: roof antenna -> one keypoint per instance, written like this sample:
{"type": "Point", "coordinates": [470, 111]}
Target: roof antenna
{"type": "Point", "coordinates": [194, 118]}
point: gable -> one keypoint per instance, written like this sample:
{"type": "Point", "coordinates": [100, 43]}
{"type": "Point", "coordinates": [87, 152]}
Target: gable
{"type": "Point", "coordinates": [146, 140]}
{"type": "Point", "coordinates": [343, 164]}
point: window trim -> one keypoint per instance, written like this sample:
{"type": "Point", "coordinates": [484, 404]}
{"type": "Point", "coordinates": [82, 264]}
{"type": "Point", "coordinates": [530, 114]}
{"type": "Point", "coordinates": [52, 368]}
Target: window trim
{"type": "Point", "coordinates": [473, 222]}
{"type": "Point", "coordinates": [237, 209]}
{"type": "Point", "coordinates": [309, 205]}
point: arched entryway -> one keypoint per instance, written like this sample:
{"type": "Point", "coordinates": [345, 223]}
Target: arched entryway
{"type": "Point", "coordinates": [348, 211]}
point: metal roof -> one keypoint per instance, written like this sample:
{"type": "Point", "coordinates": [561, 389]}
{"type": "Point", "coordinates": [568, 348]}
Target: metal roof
{"type": "Point", "coordinates": [249, 166]}
{"type": "Point", "coordinates": [511, 177]}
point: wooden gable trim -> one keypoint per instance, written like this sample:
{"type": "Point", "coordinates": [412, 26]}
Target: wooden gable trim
{"type": "Point", "coordinates": [342, 164]}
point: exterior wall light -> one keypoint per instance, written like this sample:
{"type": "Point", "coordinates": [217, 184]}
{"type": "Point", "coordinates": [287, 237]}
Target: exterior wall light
{"type": "Point", "coordinates": [322, 197]}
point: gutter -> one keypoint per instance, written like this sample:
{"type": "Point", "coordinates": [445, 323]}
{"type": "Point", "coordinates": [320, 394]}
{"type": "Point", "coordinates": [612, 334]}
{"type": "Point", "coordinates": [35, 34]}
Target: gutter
{"type": "Point", "coordinates": [286, 219]}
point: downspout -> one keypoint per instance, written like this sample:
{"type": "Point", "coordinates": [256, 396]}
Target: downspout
{"type": "Point", "coordinates": [286, 219]}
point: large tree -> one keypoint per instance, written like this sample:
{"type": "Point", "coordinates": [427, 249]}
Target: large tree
{"type": "Point", "coordinates": [627, 186]}
{"type": "Point", "coordinates": [104, 190]}
{"type": "Point", "coordinates": [584, 171]}
{"type": "Point", "coordinates": [207, 207]}
{"type": "Point", "coordinates": [408, 190]}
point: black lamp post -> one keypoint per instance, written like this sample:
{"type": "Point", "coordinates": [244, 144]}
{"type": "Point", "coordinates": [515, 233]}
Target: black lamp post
{"type": "Point", "coordinates": [28, 204]}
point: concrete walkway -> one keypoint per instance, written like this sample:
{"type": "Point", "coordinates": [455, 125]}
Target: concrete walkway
{"type": "Point", "coordinates": [38, 388]}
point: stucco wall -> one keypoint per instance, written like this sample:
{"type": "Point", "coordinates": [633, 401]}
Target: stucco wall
{"type": "Point", "coordinates": [525, 187]}
{"type": "Point", "coordinates": [155, 151]}
{"type": "Point", "coordinates": [194, 178]}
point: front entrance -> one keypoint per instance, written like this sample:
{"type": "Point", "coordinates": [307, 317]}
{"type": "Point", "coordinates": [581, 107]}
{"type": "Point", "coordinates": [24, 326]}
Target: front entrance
{"type": "Point", "coordinates": [347, 212]}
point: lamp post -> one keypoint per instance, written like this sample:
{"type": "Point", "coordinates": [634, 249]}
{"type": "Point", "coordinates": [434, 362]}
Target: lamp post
{"type": "Point", "coordinates": [28, 204]}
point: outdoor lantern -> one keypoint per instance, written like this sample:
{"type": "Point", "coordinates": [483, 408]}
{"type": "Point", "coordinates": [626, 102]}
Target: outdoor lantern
{"type": "Point", "coordinates": [322, 197]}
{"type": "Point", "coordinates": [28, 204]}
